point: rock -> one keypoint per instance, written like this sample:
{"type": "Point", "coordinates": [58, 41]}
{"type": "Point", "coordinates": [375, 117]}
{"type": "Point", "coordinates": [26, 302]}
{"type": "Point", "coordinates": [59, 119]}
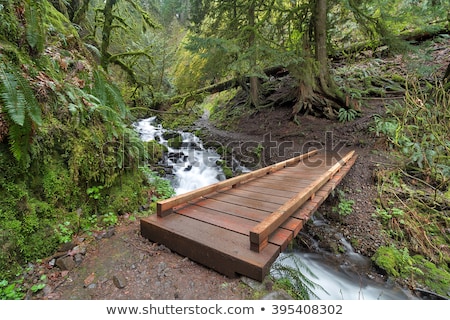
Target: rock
{"type": "Point", "coordinates": [52, 262]}
{"type": "Point", "coordinates": [277, 295]}
{"type": "Point", "coordinates": [89, 280]}
{"type": "Point", "coordinates": [105, 234]}
{"type": "Point", "coordinates": [253, 284]}
{"type": "Point", "coordinates": [66, 246]}
{"type": "Point", "coordinates": [78, 258]}
{"type": "Point", "coordinates": [119, 281]}
{"type": "Point", "coordinates": [65, 263]}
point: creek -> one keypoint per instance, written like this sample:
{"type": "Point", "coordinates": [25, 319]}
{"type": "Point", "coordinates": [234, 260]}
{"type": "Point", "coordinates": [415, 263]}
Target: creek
{"type": "Point", "coordinates": [191, 166]}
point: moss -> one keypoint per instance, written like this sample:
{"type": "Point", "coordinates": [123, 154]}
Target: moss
{"type": "Point", "coordinates": [175, 142]}
{"type": "Point", "coordinates": [155, 151]}
{"type": "Point", "coordinates": [9, 25]}
{"type": "Point", "coordinates": [57, 23]}
{"type": "Point", "coordinates": [128, 194]}
{"type": "Point", "coordinates": [388, 259]}
{"type": "Point", "coordinates": [435, 277]}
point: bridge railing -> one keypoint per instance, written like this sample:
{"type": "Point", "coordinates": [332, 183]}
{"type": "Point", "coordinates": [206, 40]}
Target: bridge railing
{"type": "Point", "coordinates": [259, 235]}
{"type": "Point", "coordinates": [165, 207]}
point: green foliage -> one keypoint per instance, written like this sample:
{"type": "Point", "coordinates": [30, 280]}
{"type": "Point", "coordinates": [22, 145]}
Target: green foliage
{"type": "Point", "coordinates": [21, 108]}
{"type": "Point", "coordinates": [35, 29]}
{"type": "Point", "coordinates": [420, 131]}
{"type": "Point", "coordinates": [64, 232]}
{"type": "Point", "coordinates": [293, 279]}
{"type": "Point", "coordinates": [414, 208]}
{"type": "Point", "coordinates": [110, 219]}
{"type": "Point", "coordinates": [94, 192]}
{"type": "Point", "coordinates": [386, 216]}
{"type": "Point", "coordinates": [69, 135]}
{"type": "Point", "coordinates": [162, 188]}
{"type": "Point", "coordinates": [435, 277]}
{"type": "Point", "coordinates": [9, 25]}
{"type": "Point", "coordinates": [11, 290]}
{"type": "Point", "coordinates": [38, 286]}
{"type": "Point", "coordinates": [396, 262]}
{"type": "Point", "coordinates": [347, 115]}
{"type": "Point", "coordinates": [344, 206]}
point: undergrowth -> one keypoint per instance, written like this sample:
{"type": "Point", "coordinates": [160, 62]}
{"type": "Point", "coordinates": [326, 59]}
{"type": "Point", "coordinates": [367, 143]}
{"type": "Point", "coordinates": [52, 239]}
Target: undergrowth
{"type": "Point", "coordinates": [71, 160]}
{"type": "Point", "coordinates": [414, 194]}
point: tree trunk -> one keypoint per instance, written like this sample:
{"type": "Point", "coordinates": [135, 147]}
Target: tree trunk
{"type": "Point", "coordinates": [318, 94]}
{"type": "Point", "coordinates": [254, 81]}
{"type": "Point", "coordinates": [106, 32]}
{"type": "Point", "coordinates": [326, 83]}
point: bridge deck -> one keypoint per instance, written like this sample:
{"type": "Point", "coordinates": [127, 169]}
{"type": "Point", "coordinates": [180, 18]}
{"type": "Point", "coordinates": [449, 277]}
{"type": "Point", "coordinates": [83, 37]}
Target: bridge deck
{"type": "Point", "coordinates": [241, 225]}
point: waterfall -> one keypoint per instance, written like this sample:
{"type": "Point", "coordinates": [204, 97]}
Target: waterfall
{"type": "Point", "coordinates": [192, 165]}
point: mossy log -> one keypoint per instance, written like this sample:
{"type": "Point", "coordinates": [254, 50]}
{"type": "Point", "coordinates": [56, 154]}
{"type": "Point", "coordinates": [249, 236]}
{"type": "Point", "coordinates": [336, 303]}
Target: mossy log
{"type": "Point", "coordinates": [277, 71]}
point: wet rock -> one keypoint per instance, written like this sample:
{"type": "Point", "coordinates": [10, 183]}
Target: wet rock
{"type": "Point", "coordinates": [119, 281]}
{"type": "Point", "coordinates": [253, 284]}
{"type": "Point", "coordinates": [65, 263]}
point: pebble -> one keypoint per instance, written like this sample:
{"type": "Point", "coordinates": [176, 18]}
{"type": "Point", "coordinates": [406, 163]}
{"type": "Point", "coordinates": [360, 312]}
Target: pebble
{"type": "Point", "coordinates": [119, 281]}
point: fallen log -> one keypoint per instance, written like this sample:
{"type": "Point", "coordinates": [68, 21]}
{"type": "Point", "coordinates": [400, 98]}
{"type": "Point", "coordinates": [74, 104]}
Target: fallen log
{"type": "Point", "coordinates": [277, 72]}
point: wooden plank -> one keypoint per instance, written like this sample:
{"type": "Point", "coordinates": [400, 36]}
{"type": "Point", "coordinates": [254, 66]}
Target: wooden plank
{"type": "Point", "coordinates": [261, 232]}
{"type": "Point", "coordinates": [270, 191]}
{"type": "Point", "coordinates": [305, 212]}
{"type": "Point", "coordinates": [234, 209]}
{"type": "Point", "coordinates": [235, 223]}
{"type": "Point", "coordinates": [246, 202]}
{"type": "Point", "coordinates": [219, 249]}
{"type": "Point", "coordinates": [245, 193]}
{"type": "Point", "coordinates": [216, 233]}
{"type": "Point", "coordinates": [299, 182]}
{"type": "Point", "coordinates": [276, 185]}
{"type": "Point", "coordinates": [165, 207]}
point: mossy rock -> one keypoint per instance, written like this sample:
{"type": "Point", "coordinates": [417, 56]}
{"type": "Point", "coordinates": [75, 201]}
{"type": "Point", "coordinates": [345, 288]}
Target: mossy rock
{"type": "Point", "coordinates": [227, 171]}
{"type": "Point", "coordinates": [387, 258]}
{"type": "Point", "coordinates": [155, 151]}
{"type": "Point", "coordinates": [175, 142]}
{"type": "Point", "coordinates": [435, 277]}
{"type": "Point", "coordinates": [57, 23]}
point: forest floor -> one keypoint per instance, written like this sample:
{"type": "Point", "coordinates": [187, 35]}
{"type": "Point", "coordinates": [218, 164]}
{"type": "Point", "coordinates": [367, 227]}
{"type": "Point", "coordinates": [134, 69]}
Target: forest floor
{"type": "Point", "coordinates": [121, 264]}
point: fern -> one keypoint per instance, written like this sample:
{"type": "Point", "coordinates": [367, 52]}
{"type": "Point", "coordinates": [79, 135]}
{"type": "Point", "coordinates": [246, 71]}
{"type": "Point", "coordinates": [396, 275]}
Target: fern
{"type": "Point", "coordinates": [347, 115]}
{"type": "Point", "coordinates": [299, 285]}
{"type": "Point", "coordinates": [22, 110]}
{"type": "Point", "coordinates": [19, 143]}
{"type": "Point", "coordinates": [13, 100]}
{"type": "Point", "coordinates": [113, 107]}
{"type": "Point", "coordinates": [35, 29]}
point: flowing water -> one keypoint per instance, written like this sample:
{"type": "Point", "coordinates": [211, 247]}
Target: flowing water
{"type": "Point", "coordinates": [192, 167]}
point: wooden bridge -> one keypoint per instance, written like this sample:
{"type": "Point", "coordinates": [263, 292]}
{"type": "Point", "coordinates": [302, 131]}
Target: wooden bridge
{"type": "Point", "coordinates": [240, 226]}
